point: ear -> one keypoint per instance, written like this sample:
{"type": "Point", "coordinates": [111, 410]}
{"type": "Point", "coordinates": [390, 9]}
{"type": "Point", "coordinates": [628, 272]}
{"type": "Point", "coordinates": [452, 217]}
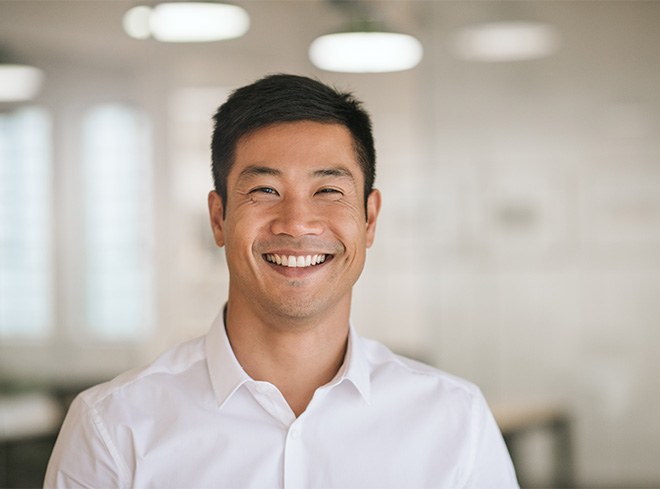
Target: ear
{"type": "Point", "coordinates": [216, 214]}
{"type": "Point", "coordinates": [373, 209]}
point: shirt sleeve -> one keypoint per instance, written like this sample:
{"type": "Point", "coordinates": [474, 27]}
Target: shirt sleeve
{"type": "Point", "coordinates": [492, 466]}
{"type": "Point", "coordinates": [82, 456]}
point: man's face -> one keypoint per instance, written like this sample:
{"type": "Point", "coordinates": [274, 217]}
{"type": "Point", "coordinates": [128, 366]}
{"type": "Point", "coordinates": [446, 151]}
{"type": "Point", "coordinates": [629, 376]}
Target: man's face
{"type": "Point", "coordinates": [295, 229]}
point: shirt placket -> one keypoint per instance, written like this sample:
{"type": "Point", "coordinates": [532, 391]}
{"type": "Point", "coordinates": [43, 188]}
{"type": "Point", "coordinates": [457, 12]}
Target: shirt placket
{"type": "Point", "coordinates": [294, 454]}
{"type": "Point", "coordinates": [270, 398]}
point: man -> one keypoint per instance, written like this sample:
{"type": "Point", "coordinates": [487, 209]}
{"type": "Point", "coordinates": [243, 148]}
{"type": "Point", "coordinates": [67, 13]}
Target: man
{"type": "Point", "coordinates": [282, 392]}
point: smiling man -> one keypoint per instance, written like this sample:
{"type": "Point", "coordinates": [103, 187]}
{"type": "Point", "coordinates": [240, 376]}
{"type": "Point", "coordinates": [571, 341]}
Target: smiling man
{"type": "Point", "coordinates": [282, 392]}
{"type": "Point", "coordinates": [295, 232]}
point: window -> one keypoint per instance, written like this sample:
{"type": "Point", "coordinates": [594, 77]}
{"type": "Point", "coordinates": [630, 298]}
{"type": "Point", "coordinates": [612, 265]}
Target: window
{"type": "Point", "coordinates": [26, 268]}
{"type": "Point", "coordinates": [114, 301]}
{"type": "Point", "coordinates": [117, 204]}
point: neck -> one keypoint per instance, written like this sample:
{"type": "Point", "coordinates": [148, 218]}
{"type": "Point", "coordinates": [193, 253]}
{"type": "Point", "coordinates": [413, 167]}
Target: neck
{"type": "Point", "coordinates": [296, 357]}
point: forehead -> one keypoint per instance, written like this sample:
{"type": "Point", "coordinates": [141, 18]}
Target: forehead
{"type": "Point", "coordinates": [299, 144]}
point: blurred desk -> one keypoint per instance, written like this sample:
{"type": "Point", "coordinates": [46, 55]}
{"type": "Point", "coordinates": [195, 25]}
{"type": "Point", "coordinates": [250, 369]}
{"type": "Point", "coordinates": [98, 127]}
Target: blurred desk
{"type": "Point", "coordinates": [518, 420]}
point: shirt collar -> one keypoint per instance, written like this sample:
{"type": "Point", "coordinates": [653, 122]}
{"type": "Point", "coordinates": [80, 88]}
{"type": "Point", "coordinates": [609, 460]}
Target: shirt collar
{"type": "Point", "coordinates": [356, 366]}
{"type": "Point", "coordinates": [227, 375]}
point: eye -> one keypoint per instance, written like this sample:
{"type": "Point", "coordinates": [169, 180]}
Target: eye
{"type": "Point", "coordinates": [264, 190]}
{"type": "Point", "coordinates": [263, 194]}
{"type": "Point", "coordinates": [330, 192]}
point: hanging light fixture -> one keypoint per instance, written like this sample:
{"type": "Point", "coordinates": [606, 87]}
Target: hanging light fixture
{"type": "Point", "coordinates": [187, 22]}
{"type": "Point", "coordinates": [19, 82]}
{"type": "Point", "coordinates": [365, 47]}
{"type": "Point", "coordinates": [506, 41]}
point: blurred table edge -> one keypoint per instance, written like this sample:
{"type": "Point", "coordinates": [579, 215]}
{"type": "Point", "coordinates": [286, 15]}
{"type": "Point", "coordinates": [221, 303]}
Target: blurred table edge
{"type": "Point", "coordinates": [518, 419]}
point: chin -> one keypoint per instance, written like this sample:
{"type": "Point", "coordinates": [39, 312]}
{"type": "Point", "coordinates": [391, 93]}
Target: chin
{"type": "Point", "coordinates": [297, 310]}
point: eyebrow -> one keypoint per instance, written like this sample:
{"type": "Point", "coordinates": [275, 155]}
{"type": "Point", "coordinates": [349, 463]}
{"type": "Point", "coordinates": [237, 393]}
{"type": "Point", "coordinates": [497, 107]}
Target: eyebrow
{"type": "Point", "coordinates": [338, 171]}
{"type": "Point", "coordinates": [256, 170]}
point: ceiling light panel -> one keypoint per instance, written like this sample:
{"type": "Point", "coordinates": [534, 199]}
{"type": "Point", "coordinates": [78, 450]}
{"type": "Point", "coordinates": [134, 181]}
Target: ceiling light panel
{"type": "Point", "coordinates": [506, 41]}
{"type": "Point", "coordinates": [366, 52]}
{"type": "Point", "coordinates": [19, 82]}
{"type": "Point", "coordinates": [187, 22]}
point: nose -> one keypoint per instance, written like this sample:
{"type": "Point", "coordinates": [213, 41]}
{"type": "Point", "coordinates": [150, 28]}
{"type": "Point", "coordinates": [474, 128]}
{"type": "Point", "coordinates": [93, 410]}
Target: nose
{"type": "Point", "coordinates": [296, 217]}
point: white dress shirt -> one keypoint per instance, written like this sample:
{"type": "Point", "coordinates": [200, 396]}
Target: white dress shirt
{"type": "Point", "coordinates": [195, 419]}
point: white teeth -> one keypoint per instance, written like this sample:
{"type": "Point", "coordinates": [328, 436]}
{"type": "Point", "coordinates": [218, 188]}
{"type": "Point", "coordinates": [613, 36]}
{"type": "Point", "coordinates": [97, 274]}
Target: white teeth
{"type": "Point", "coordinates": [296, 261]}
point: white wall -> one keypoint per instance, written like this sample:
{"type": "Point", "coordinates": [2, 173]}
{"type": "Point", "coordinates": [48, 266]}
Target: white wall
{"type": "Point", "coordinates": [526, 242]}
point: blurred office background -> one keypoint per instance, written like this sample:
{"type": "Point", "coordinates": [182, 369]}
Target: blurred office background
{"type": "Point", "coordinates": [518, 246]}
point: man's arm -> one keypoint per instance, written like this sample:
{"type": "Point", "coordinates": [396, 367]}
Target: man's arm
{"type": "Point", "coordinates": [83, 456]}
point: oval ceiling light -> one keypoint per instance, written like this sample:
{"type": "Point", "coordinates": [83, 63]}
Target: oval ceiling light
{"type": "Point", "coordinates": [366, 52]}
{"type": "Point", "coordinates": [19, 82]}
{"type": "Point", "coordinates": [187, 22]}
{"type": "Point", "coordinates": [506, 41]}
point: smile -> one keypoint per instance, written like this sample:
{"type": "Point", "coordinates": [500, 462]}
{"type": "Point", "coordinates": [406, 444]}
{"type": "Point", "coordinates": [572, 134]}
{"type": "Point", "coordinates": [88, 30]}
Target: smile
{"type": "Point", "coordinates": [292, 261]}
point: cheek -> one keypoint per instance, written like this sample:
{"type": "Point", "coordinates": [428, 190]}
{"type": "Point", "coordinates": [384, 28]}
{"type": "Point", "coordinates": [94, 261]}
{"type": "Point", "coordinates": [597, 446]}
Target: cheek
{"type": "Point", "coordinates": [351, 229]}
{"type": "Point", "coordinates": [245, 231]}
{"type": "Point", "coordinates": [238, 236]}
{"type": "Point", "coordinates": [347, 210]}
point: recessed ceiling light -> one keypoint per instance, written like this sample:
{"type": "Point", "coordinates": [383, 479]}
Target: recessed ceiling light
{"type": "Point", "coordinates": [187, 22]}
{"type": "Point", "coordinates": [506, 41]}
{"type": "Point", "coordinates": [366, 52]}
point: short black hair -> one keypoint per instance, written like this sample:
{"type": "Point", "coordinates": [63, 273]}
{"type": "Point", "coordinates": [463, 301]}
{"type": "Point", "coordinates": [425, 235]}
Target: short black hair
{"type": "Point", "coordinates": [288, 98]}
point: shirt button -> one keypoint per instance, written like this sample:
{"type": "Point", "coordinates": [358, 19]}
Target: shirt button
{"type": "Point", "coordinates": [295, 433]}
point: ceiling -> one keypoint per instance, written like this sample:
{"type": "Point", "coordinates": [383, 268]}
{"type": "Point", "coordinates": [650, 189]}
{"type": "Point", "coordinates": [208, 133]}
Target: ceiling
{"type": "Point", "coordinates": [90, 32]}
{"type": "Point", "coordinates": [601, 40]}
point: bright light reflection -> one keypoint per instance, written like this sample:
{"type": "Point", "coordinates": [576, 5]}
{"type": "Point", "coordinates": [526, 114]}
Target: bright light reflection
{"type": "Point", "coordinates": [366, 52]}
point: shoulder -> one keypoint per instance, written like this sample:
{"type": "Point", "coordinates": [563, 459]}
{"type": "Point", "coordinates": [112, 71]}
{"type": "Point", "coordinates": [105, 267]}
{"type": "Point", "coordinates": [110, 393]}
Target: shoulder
{"type": "Point", "coordinates": [167, 370]}
{"type": "Point", "coordinates": [414, 377]}
{"type": "Point", "coordinates": [102, 425]}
